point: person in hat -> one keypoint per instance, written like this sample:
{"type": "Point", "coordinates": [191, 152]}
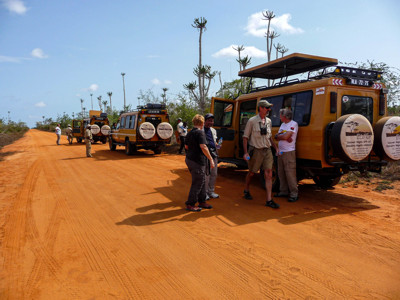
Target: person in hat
{"type": "Point", "coordinates": [211, 137]}
{"type": "Point", "coordinates": [68, 131]}
{"type": "Point", "coordinates": [257, 135]}
{"type": "Point", "coordinates": [58, 133]}
{"type": "Point", "coordinates": [88, 140]}
{"type": "Point", "coordinates": [181, 134]}
{"type": "Point", "coordinates": [286, 136]}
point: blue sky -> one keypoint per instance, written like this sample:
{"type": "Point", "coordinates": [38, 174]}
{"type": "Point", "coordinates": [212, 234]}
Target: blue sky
{"type": "Point", "coordinates": [53, 53]}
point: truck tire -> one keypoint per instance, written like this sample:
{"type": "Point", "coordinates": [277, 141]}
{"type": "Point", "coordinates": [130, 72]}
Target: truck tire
{"type": "Point", "coordinates": [105, 130]}
{"type": "Point", "coordinates": [129, 148]}
{"type": "Point", "coordinates": [147, 130]}
{"type": "Point", "coordinates": [325, 182]}
{"type": "Point", "coordinates": [387, 138]}
{"type": "Point", "coordinates": [95, 129]}
{"type": "Point", "coordinates": [352, 138]}
{"type": "Point", "coordinates": [111, 144]}
{"type": "Point", "coordinates": [165, 130]}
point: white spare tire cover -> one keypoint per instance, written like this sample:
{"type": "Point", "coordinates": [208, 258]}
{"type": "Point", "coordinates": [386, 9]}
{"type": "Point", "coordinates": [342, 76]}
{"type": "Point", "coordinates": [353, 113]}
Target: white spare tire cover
{"type": "Point", "coordinates": [387, 138]}
{"type": "Point", "coordinates": [95, 129]}
{"type": "Point", "coordinates": [165, 130]}
{"type": "Point", "coordinates": [352, 137]}
{"type": "Point", "coordinates": [105, 129]}
{"type": "Point", "coordinates": [147, 130]}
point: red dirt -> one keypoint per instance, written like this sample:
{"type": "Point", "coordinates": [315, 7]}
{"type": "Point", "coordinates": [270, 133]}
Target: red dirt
{"type": "Point", "coordinates": [114, 227]}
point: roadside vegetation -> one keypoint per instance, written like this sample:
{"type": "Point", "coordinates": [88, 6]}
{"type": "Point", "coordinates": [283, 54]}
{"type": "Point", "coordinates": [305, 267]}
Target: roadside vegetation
{"type": "Point", "coordinates": [11, 131]}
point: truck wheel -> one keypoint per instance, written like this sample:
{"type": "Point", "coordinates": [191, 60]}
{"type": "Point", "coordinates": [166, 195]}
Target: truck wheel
{"type": "Point", "coordinates": [111, 144]}
{"type": "Point", "coordinates": [326, 181]}
{"type": "Point", "coordinates": [157, 150]}
{"type": "Point", "coordinates": [129, 148]}
{"type": "Point", "coordinates": [352, 138]}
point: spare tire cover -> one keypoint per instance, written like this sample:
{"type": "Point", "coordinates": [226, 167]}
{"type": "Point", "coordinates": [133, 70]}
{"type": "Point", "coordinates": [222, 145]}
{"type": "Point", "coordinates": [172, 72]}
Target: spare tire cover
{"type": "Point", "coordinates": [105, 129]}
{"type": "Point", "coordinates": [165, 130]}
{"type": "Point", "coordinates": [147, 130]}
{"type": "Point", "coordinates": [387, 138]}
{"type": "Point", "coordinates": [352, 137]}
{"type": "Point", "coordinates": [95, 129]}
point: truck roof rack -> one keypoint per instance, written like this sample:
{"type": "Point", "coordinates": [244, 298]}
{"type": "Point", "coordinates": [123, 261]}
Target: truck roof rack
{"type": "Point", "coordinates": [289, 65]}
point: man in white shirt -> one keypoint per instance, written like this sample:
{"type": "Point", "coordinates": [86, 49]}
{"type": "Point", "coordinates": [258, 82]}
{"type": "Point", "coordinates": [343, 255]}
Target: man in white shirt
{"type": "Point", "coordinates": [182, 131]}
{"type": "Point", "coordinates": [286, 136]}
{"type": "Point", "coordinates": [58, 133]}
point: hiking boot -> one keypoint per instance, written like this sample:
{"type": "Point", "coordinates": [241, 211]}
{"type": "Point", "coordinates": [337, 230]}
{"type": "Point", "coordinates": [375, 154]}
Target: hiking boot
{"type": "Point", "coordinates": [205, 205]}
{"type": "Point", "coordinates": [247, 195]}
{"type": "Point", "coordinates": [272, 204]}
{"type": "Point", "coordinates": [193, 208]}
{"type": "Point", "coordinates": [293, 199]}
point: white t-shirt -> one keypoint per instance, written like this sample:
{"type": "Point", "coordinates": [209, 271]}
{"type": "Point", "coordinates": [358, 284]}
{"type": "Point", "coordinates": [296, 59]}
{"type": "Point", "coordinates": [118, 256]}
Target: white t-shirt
{"type": "Point", "coordinates": [58, 130]}
{"type": "Point", "coordinates": [284, 145]}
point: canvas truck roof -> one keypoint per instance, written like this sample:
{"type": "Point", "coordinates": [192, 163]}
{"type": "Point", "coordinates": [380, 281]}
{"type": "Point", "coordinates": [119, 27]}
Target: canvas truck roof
{"type": "Point", "coordinates": [292, 64]}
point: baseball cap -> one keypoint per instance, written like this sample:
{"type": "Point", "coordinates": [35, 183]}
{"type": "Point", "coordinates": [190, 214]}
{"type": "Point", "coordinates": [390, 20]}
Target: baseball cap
{"type": "Point", "coordinates": [265, 103]}
{"type": "Point", "coordinates": [208, 116]}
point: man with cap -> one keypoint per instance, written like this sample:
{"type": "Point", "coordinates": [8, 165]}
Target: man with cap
{"type": "Point", "coordinates": [211, 137]}
{"type": "Point", "coordinates": [58, 133]}
{"type": "Point", "coordinates": [88, 140]}
{"type": "Point", "coordinates": [257, 135]}
{"type": "Point", "coordinates": [68, 131]}
{"type": "Point", "coordinates": [181, 133]}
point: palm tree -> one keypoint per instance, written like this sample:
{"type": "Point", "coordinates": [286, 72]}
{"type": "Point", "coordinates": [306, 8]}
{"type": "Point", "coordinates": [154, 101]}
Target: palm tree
{"type": "Point", "coordinates": [268, 16]}
{"type": "Point", "coordinates": [109, 95]}
{"type": "Point", "coordinates": [82, 105]}
{"type": "Point", "coordinates": [164, 95]}
{"type": "Point", "coordinates": [99, 98]}
{"type": "Point", "coordinates": [105, 105]}
{"type": "Point", "coordinates": [200, 24]}
{"type": "Point", "coordinates": [239, 49]}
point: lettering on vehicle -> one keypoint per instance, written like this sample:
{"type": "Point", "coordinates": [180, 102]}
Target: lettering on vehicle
{"type": "Point", "coordinates": [320, 91]}
{"type": "Point", "coordinates": [391, 138]}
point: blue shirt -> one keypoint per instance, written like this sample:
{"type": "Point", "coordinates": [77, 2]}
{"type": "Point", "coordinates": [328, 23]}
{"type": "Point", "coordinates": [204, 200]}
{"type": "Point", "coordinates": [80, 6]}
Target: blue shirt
{"type": "Point", "coordinates": [209, 137]}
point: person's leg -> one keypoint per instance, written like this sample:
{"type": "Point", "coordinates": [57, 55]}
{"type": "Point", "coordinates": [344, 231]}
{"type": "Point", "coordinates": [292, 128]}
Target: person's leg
{"type": "Point", "coordinates": [197, 172]}
{"type": "Point", "coordinates": [290, 170]}
{"type": "Point", "coordinates": [268, 183]}
{"type": "Point", "coordinates": [213, 178]}
{"type": "Point", "coordinates": [283, 186]}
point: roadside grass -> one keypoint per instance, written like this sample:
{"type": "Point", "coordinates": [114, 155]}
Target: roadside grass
{"type": "Point", "coordinates": [380, 181]}
{"type": "Point", "coordinates": [11, 132]}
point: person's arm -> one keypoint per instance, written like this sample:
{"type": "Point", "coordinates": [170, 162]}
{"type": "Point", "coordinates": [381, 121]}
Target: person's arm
{"type": "Point", "coordinates": [245, 140]}
{"type": "Point", "coordinates": [284, 137]}
{"type": "Point", "coordinates": [274, 145]}
{"type": "Point", "coordinates": [204, 148]}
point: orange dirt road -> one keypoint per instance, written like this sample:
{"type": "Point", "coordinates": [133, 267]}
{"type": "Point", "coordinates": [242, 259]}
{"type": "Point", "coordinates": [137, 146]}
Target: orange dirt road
{"type": "Point", "coordinates": [114, 227]}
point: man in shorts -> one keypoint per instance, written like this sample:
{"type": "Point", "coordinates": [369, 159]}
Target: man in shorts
{"type": "Point", "coordinates": [258, 136]}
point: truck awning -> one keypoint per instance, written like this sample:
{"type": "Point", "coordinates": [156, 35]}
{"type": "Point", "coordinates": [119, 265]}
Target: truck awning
{"type": "Point", "coordinates": [292, 64]}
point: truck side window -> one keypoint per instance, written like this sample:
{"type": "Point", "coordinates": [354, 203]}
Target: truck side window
{"type": "Point", "coordinates": [302, 108]}
{"type": "Point", "coordinates": [132, 123]}
{"type": "Point", "coordinates": [122, 123]}
{"type": "Point", "coordinates": [127, 121]}
{"type": "Point", "coordinates": [274, 114]}
{"type": "Point", "coordinates": [223, 114]}
{"type": "Point", "coordinates": [118, 125]}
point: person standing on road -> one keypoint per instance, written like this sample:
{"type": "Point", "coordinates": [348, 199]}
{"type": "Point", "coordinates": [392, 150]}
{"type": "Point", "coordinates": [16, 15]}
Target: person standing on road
{"type": "Point", "coordinates": [182, 135]}
{"type": "Point", "coordinates": [258, 135]}
{"type": "Point", "coordinates": [211, 137]}
{"type": "Point", "coordinates": [196, 156]}
{"type": "Point", "coordinates": [88, 141]}
{"type": "Point", "coordinates": [286, 136]}
{"type": "Point", "coordinates": [68, 131]}
{"type": "Point", "coordinates": [58, 133]}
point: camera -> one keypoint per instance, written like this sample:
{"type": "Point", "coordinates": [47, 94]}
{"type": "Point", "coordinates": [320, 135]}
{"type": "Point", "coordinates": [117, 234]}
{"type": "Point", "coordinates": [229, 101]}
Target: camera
{"type": "Point", "coordinates": [263, 130]}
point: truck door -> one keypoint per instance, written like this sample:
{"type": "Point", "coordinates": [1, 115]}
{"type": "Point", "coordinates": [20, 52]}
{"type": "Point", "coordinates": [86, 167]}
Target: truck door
{"type": "Point", "coordinates": [224, 120]}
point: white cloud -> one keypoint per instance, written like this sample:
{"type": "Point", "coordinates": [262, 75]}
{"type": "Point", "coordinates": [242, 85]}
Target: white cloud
{"type": "Point", "coordinates": [156, 81]}
{"type": "Point", "coordinates": [15, 6]}
{"type": "Point", "coordinates": [92, 88]}
{"type": "Point", "coordinates": [11, 59]}
{"type": "Point", "coordinates": [251, 51]}
{"type": "Point", "coordinates": [257, 26]}
{"type": "Point", "coordinates": [167, 81]}
{"type": "Point", "coordinates": [38, 53]}
{"type": "Point", "coordinates": [40, 104]}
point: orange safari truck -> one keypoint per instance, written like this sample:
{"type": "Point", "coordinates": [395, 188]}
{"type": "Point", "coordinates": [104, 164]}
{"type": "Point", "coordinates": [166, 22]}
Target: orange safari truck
{"type": "Point", "coordinates": [341, 113]}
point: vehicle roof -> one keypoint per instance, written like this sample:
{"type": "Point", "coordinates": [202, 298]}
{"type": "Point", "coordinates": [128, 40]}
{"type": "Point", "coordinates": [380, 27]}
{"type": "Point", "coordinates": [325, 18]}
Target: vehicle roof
{"type": "Point", "coordinates": [292, 64]}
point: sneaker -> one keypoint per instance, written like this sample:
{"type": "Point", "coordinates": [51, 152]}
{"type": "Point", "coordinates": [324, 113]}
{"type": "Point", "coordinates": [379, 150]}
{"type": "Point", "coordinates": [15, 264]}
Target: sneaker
{"type": "Point", "coordinates": [193, 208]}
{"type": "Point", "coordinates": [205, 205]}
{"type": "Point", "coordinates": [207, 198]}
{"type": "Point", "coordinates": [247, 195]}
{"type": "Point", "coordinates": [293, 199]}
{"type": "Point", "coordinates": [272, 204]}
{"type": "Point", "coordinates": [214, 195]}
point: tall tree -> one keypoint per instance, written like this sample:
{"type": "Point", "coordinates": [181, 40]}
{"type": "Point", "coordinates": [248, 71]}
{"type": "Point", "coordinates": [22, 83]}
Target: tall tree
{"type": "Point", "coordinates": [99, 98]}
{"type": "Point", "coordinates": [164, 95]}
{"type": "Point", "coordinates": [239, 49]}
{"type": "Point", "coordinates": [105, 105]}
{"type": "Point", "coordinates": [109, 95]}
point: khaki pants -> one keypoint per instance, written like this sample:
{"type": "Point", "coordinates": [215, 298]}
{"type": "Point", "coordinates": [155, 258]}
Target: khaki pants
{"type": "Point", "coordinates": [211, 178]}
{"type": "Point", "coordinates": [88, 148]}
{"type": "Point", "coordinates": [287, 173]}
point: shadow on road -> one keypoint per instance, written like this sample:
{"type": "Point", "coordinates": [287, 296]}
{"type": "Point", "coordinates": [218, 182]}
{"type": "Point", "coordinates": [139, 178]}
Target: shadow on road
{"type": "Point", "coordinates": [232, 209]}
{"type": "Point", "coordinates": [8, 153]}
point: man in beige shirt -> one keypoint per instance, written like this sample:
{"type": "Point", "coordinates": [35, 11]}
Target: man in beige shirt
{"type": "Point", "coordinates": [259, 137]}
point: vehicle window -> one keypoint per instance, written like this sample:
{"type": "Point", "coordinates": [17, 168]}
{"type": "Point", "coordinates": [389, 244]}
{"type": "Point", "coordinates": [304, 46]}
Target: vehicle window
{"type": "Point", "coordinates": [247, 110]}
{"type": "Point", "coordinates": [299, 103]}
{"type": "Point", "coordinates": [223, 113]}
{"type": "Point", "coordinates": [274, 114]}
{"type": "Point", "coordinates": [77, 124]}
{"type": "Point", "coordinates": [122, 122]}
{"type": "Point", "coordinates": [128, 118]}
{"type": "Point", "coordinates": [358, 105]}
{"type": "Point", "coordinates": [302, 108]}
{"type": "Point", "coordinates": [118, 125]}
{"type": "Point", "coordinates": [153, 120]}
{"type": "Point", "coordinates": [132, 123]}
